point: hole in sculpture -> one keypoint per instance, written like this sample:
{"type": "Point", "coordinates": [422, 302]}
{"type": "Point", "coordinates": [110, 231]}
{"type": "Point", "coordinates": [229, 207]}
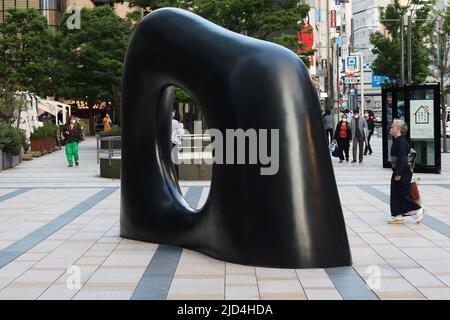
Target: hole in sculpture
{"type": "Point", "coordinates": [190, 139]}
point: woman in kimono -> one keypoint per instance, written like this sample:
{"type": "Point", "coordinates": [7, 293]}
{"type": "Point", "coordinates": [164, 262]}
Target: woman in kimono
{"type": "Point", "coordinates": [402, 205]}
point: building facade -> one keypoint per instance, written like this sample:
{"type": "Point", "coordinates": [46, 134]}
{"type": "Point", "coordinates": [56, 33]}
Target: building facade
{"type": "Point", "coordinates": [54, 9]}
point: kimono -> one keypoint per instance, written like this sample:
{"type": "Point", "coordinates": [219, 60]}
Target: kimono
{"type": "Point", "coordinates": [401, 200]}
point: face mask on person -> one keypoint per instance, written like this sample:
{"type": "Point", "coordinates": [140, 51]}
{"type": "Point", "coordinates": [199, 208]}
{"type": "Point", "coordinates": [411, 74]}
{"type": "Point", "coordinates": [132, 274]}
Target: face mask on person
{"type": "Point", "coordinates": [356, 116]}
{"type": "Point", "coordinates": [344, 119]}
{"type": "Point", "coordinates": [72, 121]}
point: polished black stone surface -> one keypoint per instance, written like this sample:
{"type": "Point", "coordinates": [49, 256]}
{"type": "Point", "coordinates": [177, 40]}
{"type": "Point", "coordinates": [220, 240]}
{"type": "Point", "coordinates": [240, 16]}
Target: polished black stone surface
{"type": "Point", "coordinates": [292, 219]}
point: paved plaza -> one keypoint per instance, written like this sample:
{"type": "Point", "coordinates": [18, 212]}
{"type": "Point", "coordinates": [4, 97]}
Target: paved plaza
{"type": "Point", "coordinates": [57, 223]}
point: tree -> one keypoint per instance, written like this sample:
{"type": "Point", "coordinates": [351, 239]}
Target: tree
{"type": "Point", "coordinates": [149, 5]}
{"type": "Point", "coordinates": [442, 60]}
{"type": "Point", "coordinates": [91, 58]}
{"type": "Point", "coordinates": [25, 51]}
{"type": "Point", "coordinates": [277, 21]}
{"type": "Point", "coordinates": [387, 49]}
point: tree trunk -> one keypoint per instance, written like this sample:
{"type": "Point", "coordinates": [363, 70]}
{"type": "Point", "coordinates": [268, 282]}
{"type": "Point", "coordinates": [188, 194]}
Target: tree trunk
{"type": "Point", "coordinates": [116, 105]}
{"type": "Point", "coordinates": [92, 123]}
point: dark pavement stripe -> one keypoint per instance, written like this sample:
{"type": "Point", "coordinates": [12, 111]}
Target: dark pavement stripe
{"type": "Point", "coordinates": [13, 194]}
{"type": "Point", "coordinates": [157, 278]}
{"type": "Point", "coordinates": [21, 246]}
{"type": "Point", "coordinates": [349, 284]}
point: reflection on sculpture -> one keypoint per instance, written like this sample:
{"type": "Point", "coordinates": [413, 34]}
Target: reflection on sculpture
{"type": "Point", "coordinates": [292, 219]}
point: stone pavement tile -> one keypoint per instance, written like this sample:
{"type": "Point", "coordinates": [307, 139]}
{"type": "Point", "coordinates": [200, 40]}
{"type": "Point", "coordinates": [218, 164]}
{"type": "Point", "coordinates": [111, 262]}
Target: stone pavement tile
{"type": "Point", "coordinates": [12, 271]}
{"type": "Point", "coordinates": [237, 269]}
{"type": "Point", "coordinates": [444, 277]}
{"type": "Point", "coordinates": [436, 293]}
{"type": "Point", "coordinates": [402, 262]}
{"type": "Point", "coordinates": [373, 238]}
{"type": "Point", "coordinates": [397, 288]}
{"type": "Point", "coordinates": [411, 242]}
{"type": "Point", "coordinates": [64, 287]}
{"type": "Point", "coordinates": [90, 292]}
{"type": "Point", "coordinates": [275, 274]}
{"type": "Point", "coordinates": [435, 266]}
{"type": "Point", "coordinates": [387, 251]}
{"type": "Point", "coordinates": [433, 235]}
{"type": "Point", "coordinates": [241, 292]}
{"type": "Point", "coordinates": [240, 282]}
{"type": "Point", "coordinates": [322, 294]}
{"type": "Point", "coordinates": [199, 275]}
{"type": "Point", "coordinates": [195, 263]}
{"type": "Point", "coordinates": [427, 253]}
{"type": "Point", "coordinates": [314, 278]}
{"type": "Point", "coordinates": [212, 287]}
{"type": "Point", "coordinates": [419, 277]}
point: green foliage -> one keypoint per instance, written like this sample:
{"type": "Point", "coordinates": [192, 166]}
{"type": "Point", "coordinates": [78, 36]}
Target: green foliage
{"type": "Point", "coordinates": [7, 106]}
{"type": "Point", "coordinates": [91, 58]}
{"type": "Point", "coordinates": [38, 133]}
{"type": "Point", "coordinates": [48, 130]}
{"type": "Point", "coordinates": [24, 140]}
{"type": "Point", "coordinates": [25, 51]}
{"type": "Point", "coordinates": [10, 139]}
{"type": "Point", "coordinates": [388, 61]}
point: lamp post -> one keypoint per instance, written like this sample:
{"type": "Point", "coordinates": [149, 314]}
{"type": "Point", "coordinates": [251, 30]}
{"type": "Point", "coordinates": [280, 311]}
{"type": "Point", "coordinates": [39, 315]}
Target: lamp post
{"type": "Point", "coordinates": [361, 72]}
{"type": "Point", "coordinates": [404, 5]}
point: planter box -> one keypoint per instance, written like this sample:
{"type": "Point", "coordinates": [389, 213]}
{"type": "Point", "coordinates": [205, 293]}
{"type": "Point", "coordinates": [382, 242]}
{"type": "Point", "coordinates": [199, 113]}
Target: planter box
{"type": "Point", "coordinates": [44, 145]}
{"type": "Point", "coordinates": [9, 160]}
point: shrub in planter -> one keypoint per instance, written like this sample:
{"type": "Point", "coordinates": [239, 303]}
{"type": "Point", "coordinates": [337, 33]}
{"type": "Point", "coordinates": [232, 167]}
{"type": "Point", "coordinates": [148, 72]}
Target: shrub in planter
{"type": "Point", "coordinates": [11, 145]}
{"type": "Point", "coordinates": [37, 140]}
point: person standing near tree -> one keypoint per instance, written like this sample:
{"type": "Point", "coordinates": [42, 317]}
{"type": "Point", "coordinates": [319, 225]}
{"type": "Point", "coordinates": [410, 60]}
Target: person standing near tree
{"type": "Point", "coordinates": [72, 136]}
{"type": "Point", "coordinates": [360, 131]}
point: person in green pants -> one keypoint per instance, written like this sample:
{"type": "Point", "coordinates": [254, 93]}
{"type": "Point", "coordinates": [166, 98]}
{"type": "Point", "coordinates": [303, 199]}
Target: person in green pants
{"type": "Point", "coordinates": [72, 136]}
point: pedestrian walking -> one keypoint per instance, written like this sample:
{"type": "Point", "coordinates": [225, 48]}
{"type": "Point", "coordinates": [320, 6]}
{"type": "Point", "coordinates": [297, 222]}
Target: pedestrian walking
{"type": "Point", "coordinates": [360, 131]}
{"type": "Point", "coordinates": [343, 135]}
{"type": "Point", "coordinates": [176, 139]}
{"type": "Point", "coordinates": [72, 136]}
{"type": "Point", "coordinates": [402, 203]}
{"type": "Point", "coordinates": [368, 115]}
{"type": "Point", "coordinates": [328, 125]}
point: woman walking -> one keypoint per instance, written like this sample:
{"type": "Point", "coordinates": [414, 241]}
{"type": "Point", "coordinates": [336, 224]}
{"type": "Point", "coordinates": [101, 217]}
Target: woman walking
{"type": "Point", "coordinates": [72, 135]}
{"type": "Point", "coordinates": [402, 204]}
{"type": "Point", "coordinates": [371, 125]}
{"type": "Point", "coordinates": [343, 135]}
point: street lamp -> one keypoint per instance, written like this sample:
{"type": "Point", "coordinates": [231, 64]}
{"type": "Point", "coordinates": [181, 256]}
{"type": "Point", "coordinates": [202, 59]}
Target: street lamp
{"type": "Point", "coordinates": [404, 5]}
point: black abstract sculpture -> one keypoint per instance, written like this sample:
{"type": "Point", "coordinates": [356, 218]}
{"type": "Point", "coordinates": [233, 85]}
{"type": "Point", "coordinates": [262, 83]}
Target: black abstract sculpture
{"type": "Point", "coordinates": [292, 219]}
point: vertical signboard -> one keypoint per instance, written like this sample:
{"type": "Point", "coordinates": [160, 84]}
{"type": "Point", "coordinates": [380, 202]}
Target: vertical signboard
{"type": "Point", "coordinates": [333, 19]}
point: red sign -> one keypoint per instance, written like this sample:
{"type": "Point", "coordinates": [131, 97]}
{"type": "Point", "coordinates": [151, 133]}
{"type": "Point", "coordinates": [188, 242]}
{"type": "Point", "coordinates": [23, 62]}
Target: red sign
{"type": "Point", "coordinates": [333, 19]}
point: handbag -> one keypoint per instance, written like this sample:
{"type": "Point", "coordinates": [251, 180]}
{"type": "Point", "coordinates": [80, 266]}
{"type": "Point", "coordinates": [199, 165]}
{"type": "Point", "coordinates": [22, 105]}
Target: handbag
{"type": "Point", "coordinates": [334, 149]}
{"type": "Point", "coordinates": [414, 191]}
